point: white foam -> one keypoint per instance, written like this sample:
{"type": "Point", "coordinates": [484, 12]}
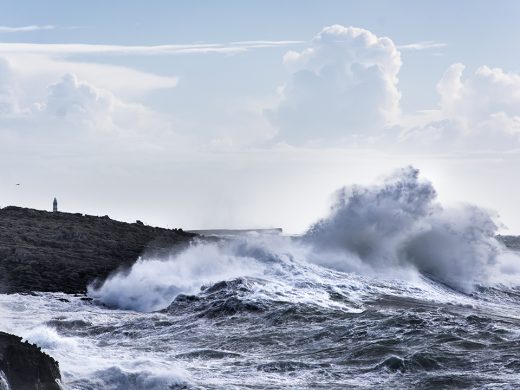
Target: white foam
{"type": "Point", "coordinates": [152, 283]}
{"type": "Point", "coordinates": [4, 385]}
{"type": "Point", "coordinates": [101, 359]}
{"type": "Point", "coordinates": [118, 378]}
{"type": "Point", "coordinates": [398, 225]}
{"type": "Point", "coordinates": [48, 338]}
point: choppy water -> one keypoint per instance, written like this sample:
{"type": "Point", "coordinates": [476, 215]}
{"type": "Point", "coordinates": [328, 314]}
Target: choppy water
{"type": "Point", "coordinates": [389, 291]}
{"type": "Point", "coordinates": [323, 330]}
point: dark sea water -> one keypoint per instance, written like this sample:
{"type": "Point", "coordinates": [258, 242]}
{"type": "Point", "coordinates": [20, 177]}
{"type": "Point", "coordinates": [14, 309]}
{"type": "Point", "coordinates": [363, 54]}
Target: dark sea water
{"type": "Point", "coordinates": [319, 329]}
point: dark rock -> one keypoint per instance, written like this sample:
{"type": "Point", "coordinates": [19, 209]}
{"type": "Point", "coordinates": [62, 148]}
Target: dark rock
{"type": "Point", "coordinates": [44, 251]}
{"type": "Point", "coordinates": [25, 366]}
{"type": "Point", "coordinates": [512, 242]}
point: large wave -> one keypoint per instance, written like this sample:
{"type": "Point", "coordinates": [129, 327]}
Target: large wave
{"type": "Point", "coordinates": [398, 223]}
{"type": "Point", "coordinates": [395, 228]}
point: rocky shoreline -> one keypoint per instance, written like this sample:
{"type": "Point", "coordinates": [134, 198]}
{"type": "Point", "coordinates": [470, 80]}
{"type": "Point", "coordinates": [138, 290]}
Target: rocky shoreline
{"type": "Point", "coordinates": [64, 252]}
{"type": "Point", "coordinates": [24, 366]}
{"type": "Point", "coordinates": [44, 251]}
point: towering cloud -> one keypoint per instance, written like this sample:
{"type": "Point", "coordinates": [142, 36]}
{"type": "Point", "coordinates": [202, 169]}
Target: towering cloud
{"type": "Point", "coordinates": [343, 85]}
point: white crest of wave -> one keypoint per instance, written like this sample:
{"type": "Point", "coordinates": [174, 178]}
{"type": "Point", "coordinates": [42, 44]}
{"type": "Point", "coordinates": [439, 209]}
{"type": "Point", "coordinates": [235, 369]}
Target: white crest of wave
{"type": "Point", "coordinates": [49, 339]}
{"type": "Point", "coordinates": [152, 284]}
{"type": "Point", "coordinates": [117, 378]}
{"type": "Point", "coordinates": [4, 385]}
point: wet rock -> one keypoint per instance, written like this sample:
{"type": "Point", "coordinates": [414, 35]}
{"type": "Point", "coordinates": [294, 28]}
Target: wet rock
{"type": "Point", "coordinates": [25, 367]}
{"type": "Point", "coordinates": [44, 251]}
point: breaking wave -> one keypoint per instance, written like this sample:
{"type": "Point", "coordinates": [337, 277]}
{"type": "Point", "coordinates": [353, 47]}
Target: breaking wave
{"type": "Point", "coordinates": [151, 284]}
{"type": "Point", "coordinates": [393, 229]}
{"type": "Point", "coordinates": [399, 224]}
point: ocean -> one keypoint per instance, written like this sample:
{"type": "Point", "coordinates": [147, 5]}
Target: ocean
{"type": "Point", "coordinates": [390, 290]}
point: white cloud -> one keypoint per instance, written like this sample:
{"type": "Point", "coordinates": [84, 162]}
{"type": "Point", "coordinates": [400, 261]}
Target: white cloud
{"type": "Point", "coordinates": [481, 111]}
{"type": "Point", "coordinates": [8, 100]}
{"type": "Point", "coordinates": [79, 104]}
{"type": "Point", "coordinates": [71, 109]}
{"type": "Point", "coordinates": [67, 49]}
{"type": "Point", "coordinates": [6, 29]}
{"type": "Point", "coordinates": [36, 72]}
{"type": "Point", "coordinates": [423, 45]}
{"type": "Point", "coordinates": [44, 62]}
{"type": "Point", "coordinates": [343, 86]}
{"type": "Point", "coordinates": [487, 92]}
{"type": "Point", "coordinates": [343, 90]}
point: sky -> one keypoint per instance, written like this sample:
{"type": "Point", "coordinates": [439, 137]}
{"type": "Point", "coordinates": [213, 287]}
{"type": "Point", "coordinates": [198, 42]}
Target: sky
{"type": "Point", "coordinates": [249, 114]}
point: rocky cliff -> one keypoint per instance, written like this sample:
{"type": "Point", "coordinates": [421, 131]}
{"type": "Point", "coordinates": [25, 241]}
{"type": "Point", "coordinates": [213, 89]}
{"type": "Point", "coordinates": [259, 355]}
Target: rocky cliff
{"type": "Point", "coordinates": [44, 251]}
{"type": "Point", "coordinates": [24, 366]}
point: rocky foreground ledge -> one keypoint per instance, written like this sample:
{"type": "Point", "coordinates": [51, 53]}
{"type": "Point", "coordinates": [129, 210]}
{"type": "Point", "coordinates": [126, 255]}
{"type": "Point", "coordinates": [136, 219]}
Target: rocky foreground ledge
{"type": "Point", "coordinates": [64, 252]}
{"type": "Point", "coordinates": [24, 366]}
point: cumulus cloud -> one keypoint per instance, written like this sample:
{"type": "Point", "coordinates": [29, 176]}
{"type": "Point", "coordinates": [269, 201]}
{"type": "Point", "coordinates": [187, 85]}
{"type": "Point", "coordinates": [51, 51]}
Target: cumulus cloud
{"type": "Point", "coordinates": [343, 90]}
{"type": "Point", "coordinates": [70, 97]}
{"type": "Point", "coordinates": [83, 105]}
{"type": "Point", "coordinates": [70, 107]}
{"type": "Point", "coordinates": [342, 86]}
{"type": "Point", "coordinates": [480, 111]}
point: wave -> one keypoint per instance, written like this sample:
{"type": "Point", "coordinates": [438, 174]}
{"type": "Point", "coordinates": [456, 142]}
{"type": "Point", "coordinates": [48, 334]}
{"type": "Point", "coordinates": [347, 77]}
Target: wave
{"type": "Point", "coordinates": [393, 229]}
{"type": "Point", "coordinates": [48, 338]}
{"type": "Point", "coordinates": [93, 345]}
{"type": "Point", "coordinates": [117, 378]}
{"type": "Point", "coordinates": [399, 224]}
{"type": "Point", "coordinates": [151, 284]}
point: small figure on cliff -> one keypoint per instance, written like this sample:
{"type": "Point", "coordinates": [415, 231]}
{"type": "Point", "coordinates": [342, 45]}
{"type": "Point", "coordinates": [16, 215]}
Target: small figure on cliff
{"type": "Point", "coordinates": [55, 206]}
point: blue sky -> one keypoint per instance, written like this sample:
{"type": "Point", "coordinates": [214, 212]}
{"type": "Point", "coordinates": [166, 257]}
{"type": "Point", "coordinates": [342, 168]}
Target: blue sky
{"type": "Point", "coordinates": [237, 114]}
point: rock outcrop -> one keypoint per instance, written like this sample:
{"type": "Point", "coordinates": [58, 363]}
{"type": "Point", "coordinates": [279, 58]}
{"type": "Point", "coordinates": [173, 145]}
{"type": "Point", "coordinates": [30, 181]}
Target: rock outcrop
{"type": "Point", "coordinates": [44, 251]}
{"type": "Point", "coordinates": [24, 366]}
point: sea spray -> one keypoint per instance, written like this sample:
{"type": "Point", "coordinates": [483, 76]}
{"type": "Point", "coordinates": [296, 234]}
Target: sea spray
{"type": "Point", "coordinates": [393, 229]}
{"type": "Point", "coordinates": [152, 283]}
{"type": "Point", "coordinates": [4, 385]}
{"type": "Point", "coordinates": [399, 224]}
